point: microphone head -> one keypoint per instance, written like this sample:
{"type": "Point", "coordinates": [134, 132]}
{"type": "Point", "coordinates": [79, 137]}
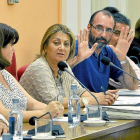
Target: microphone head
{"type": "Point", "coordinates": [62, 65]}
{"type": "Point", "coordinates": [105, 60]}
{"type": "Point", "coordinates": [32, 120]}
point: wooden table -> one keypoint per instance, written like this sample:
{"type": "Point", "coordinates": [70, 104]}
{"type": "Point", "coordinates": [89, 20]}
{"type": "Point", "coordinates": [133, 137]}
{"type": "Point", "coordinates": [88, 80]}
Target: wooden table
{"type": "Point", "coordinates": [122, 130]}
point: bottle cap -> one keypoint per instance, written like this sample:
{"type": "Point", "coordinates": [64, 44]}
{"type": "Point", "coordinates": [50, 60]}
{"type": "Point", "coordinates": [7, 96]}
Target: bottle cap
{"type": "Point", "coordinates": [73, 86]}
{"type": "Point", "coordinates": [15, 100]}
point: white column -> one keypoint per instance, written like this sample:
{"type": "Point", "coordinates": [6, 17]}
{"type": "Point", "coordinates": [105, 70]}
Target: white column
{"type": "Point", "coordinates": [76, 14]}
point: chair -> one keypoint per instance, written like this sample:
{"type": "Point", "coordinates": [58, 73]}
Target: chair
{"type": "Point", "coordinates": [12, 69]}
{"type": "Point", "coordinates": [21, 71]}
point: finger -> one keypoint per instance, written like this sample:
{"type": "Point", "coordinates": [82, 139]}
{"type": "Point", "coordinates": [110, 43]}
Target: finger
{"type": "Point", "coordinates": [108, 101]}
{"type": "Point", "coordinates": [116, 96]}
{"type": "Point", "coordinates": [94, 47]}
{"type": "Point", "coordinates": [87, 35]}
{"type": "Point", "coordinates": [131, 39]}
{"type": "Point", "coordinates": [109, 94]}
{"type": "Point", "coordinates": [5, 130]}
{"type": "Point", "coordinates": [84, 34]}
{"type": "Point", "coordinates": [122, 33]}
{"type": "Point", "coordinates": [111, 98]}
{"type": "Point", "coordinates": [112, 47]}
{"type": "Point", "coordinates": [130, 35]}
{"type": "Point", "coordinates": [126, 32]}
{"type": "Point", "coordinates": [81, 36]}
{"type": "Point", "coordinates": [78, 38]}
{"type": "Point", "coordinates": [113, 91]}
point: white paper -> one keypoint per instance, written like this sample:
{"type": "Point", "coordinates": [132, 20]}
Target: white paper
{"type": "Point", "coordinates": [124, 92]}
{"type": "Point", "coordinates": [60, 119]}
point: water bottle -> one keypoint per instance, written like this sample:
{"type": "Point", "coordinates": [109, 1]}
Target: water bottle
{"type": "Point", "coordinates": [16, 121]}
{"type": "Point", "coordinates": [74, 108]}
{"type": "Point", "coordinates": [60, 94]}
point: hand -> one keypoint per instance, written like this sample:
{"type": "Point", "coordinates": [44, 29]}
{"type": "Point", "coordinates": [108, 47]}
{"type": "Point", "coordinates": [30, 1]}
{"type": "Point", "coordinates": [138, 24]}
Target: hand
{"type": "Point", "coordinates": [110, 94]}
{"type": "Point", "coordinates": [3, 127]}
{"type": "Point", "coordinates": [105, 99]}
{"type": "Point", "coordinates": [55, 108]}
{"type": "Point", "coordinates": [83, 49]}
{"type": "Point", "coordinates": [123, 44]}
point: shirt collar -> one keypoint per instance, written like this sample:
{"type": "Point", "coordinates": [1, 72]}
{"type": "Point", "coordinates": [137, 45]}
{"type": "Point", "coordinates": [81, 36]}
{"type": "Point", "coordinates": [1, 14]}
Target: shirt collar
{"type": "Point", "coordinates": [103, 51]}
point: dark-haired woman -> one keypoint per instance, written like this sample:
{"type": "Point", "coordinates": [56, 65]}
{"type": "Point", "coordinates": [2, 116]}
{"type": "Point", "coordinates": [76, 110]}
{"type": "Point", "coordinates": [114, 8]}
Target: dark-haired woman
{"type": "Point", "coordinates": [10, 88]}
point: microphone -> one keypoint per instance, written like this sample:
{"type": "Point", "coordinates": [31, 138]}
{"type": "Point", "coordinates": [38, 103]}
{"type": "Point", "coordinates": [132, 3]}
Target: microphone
{"type": "Point", "coordinates": [63, 67]}
{"type": "Point", "coordinates": [32, 119]}
{"type": "Point", "coordinates": [106, 61]}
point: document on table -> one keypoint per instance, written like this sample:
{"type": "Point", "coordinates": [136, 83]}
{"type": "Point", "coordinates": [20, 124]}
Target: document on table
{"type": "Point", "coordinates": [126, 92]}
{"type": "Point", "coordinates": [122, 112]}
{"type": "Point", "coordinates": [127, 100]}
{"type": "Point", "coordinates": [122, 115]}
{"type": "Point", "coordinates": [128, 97]}
{"type": "Point", "coordinates": [127, 109]}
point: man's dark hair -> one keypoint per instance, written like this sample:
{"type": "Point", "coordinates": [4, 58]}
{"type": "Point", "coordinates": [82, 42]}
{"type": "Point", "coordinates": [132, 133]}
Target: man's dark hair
{"type": "Point", "coordinates": [105, 12]}
{"type": "Point", "coordinates": [119, 18]}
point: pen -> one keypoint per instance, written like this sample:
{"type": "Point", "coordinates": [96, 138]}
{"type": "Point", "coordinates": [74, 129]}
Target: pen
{"type": "Point", "coordinates": [103, 90]}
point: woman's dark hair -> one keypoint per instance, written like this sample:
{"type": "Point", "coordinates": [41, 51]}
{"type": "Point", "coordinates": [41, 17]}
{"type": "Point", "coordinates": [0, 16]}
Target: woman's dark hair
{"type": "Point", "coordinates": [8, 35]}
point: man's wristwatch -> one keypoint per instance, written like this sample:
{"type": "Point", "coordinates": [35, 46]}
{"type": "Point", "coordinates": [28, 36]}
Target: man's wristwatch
{"type": "Point", "coordinates": [85, 101]}
{"type": "Point", "coordinates": [124, 61]}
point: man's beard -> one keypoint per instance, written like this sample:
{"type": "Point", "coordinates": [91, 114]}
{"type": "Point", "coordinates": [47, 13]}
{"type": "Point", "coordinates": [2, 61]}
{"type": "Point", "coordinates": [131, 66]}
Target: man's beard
{"type": "Point", "coordinates": [93, 40]}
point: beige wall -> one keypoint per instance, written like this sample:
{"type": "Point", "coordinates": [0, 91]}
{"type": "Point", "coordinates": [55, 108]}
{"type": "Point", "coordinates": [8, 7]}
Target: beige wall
{"type": "Point", "coordinates": [130, 8]}
{"type": "Point", "coordinates": [30, 18]}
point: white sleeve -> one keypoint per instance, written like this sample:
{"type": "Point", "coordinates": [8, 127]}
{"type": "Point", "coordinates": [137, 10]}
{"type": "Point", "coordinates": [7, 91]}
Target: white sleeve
{"type": "Point", "coordinates": [3, 119]}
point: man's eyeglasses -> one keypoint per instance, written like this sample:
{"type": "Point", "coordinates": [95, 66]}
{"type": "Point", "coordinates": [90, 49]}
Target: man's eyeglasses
{"type": "Point", "coordinates": [100, 29]}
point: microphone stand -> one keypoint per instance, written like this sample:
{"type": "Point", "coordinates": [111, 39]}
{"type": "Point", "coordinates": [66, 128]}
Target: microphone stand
{"type": "Point", "coordinates": [123, 70]}
{"type": "Point", "coordinates": [85, 88]}
{"type": "Point", "coordinates": [32, 119]}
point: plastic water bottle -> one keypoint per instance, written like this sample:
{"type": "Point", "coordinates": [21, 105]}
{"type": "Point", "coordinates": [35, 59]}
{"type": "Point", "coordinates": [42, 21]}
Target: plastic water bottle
{"type": "Point", "coordinates": [74, 108]}
{"type": "Point", "coordinates": [16, 121]}
{"type": "Point", "coordinates": [60, 94]}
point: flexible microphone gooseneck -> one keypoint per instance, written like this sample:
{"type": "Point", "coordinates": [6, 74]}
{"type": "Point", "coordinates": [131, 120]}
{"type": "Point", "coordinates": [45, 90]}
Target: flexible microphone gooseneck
{"type": "Point", "coordinates": [105, 60]}
{"type": "Point", "coordinates": [63, 66]}
{"type": "Point", "coordinates": [32, 119]}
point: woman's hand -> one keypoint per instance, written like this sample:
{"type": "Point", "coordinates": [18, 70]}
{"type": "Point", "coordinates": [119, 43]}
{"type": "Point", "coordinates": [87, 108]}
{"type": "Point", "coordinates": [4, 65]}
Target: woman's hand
{"type": "Point", "coordinates": [3, 127]}
{"type": "Point", "coordinates": [55, 108]}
